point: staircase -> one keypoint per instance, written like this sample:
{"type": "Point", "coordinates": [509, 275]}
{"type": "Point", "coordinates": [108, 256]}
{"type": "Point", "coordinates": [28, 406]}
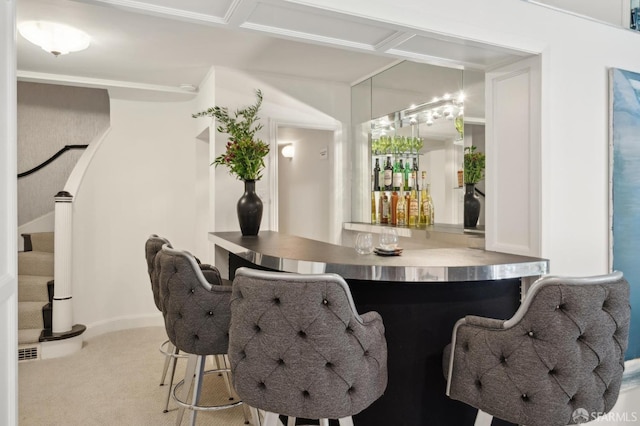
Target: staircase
{"type": "Point", "coordinates": [35, 292]}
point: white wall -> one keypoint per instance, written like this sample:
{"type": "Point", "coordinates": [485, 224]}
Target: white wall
{"type": "Point", "coordinates": [287, 100]}
{"type": "Point", "coordinates": [576, 53]}
{"type": "Point", "coordinates": [8, 218]}
{"type": "Point", "coordinates": [614, 12]}
{"type": "Point", "coordinates": [142, 180]}
{"type": "Point", "coordinates": [304, 191]}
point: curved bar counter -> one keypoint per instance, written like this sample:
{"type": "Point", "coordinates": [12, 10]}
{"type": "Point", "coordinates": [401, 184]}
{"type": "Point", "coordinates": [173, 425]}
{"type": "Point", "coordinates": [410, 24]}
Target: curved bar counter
{"type": "Point", "coordinates": [420, 295]}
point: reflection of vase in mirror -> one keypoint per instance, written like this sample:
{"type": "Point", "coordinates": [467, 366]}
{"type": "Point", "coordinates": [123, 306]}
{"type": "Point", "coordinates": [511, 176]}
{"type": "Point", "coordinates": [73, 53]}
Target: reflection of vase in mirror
{"type": "Point", "coordinates": [471, 206]}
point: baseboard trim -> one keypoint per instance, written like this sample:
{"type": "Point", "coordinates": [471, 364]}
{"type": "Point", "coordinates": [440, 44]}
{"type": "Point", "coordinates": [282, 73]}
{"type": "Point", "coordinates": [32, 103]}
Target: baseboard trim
{"type": "Point", "coordinates": [123, 323]}
{"type": "Point", "coordinates": [60, 348]}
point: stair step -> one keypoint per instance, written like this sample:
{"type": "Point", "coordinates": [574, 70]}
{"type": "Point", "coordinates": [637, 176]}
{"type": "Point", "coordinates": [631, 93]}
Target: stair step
{"type": "Point", "coordinates": [42, 241]}
{"type": "Point", "coordinates": [35, 263]}
{"type": "Point", "coordinates": [29, 335]}
{"type": "Point", "coordinates": [33, 288]}
{"type": "Point", "coordinates": [30, 315]}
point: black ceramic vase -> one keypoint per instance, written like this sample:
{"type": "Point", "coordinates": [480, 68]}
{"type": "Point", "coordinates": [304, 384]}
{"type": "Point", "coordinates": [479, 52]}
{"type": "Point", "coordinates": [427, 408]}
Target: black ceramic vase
{"type": "Point", "coordinates": [471, 206]}
{"type": "Point", "coordinates": [249, 209]}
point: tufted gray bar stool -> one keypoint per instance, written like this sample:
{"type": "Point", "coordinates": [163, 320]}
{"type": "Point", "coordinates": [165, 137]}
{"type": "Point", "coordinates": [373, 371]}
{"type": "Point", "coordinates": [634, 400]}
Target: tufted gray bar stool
{"type": "Point", "coordinates": [558, 361]}
{"type": "Point", "coordinates": [196, 315]}
{"type": "Point", "coordinates": [152, 246]}
{"type": "Point", "coordinates": [298, 347]}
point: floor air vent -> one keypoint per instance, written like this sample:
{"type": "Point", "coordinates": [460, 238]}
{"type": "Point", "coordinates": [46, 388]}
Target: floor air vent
{"type": "Point", "coordinates": [28, 353]}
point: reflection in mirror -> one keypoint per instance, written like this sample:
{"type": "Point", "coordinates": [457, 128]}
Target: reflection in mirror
{"type": "Point", "coordinates": [409, 136]}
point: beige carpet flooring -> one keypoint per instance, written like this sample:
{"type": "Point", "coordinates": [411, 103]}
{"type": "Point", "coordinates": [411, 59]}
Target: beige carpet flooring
{"type": "Point", "coordinates": [113, 380]}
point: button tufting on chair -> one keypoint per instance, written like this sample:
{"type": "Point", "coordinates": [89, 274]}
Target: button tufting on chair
{"type": "Point", "coordinates": [561, 346]}
{"type": "Point", "coordinates": [333, 351]}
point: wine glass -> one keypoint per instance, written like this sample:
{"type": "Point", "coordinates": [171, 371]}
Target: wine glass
{"type": "Point", "coordinates": [364, 243]}
{"type": "Point", "coordinates": [389, 239]}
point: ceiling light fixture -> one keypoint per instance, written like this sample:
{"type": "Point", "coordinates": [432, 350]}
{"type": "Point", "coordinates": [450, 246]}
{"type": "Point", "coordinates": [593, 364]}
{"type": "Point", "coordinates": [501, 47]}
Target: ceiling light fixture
{"type": "Point", "coordinates": [55, 38]}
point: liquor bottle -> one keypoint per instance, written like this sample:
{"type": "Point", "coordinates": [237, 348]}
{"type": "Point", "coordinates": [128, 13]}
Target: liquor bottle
{"type": "Point", "coordinates": [394, 207]}
{"type": "Point", "coordinates": [397, 175]}
{"type": "Point", "coordinates": [422, 217]}
{"type": "Point", "coordinates": [376, 176]}
{"type": "Point", "coordinates": [414, 209]}
{"type": "Point", "coordinates": [428, 207]}
{"type": "Point", "coordinates": [401, 211]}
{"type": "Point", "coordinates": [388, 175]}
{"type": "Point", "coordinates": [461, 177]}
{"type": "Point", "coordinates": [415, 173]}
{"type": "Point", "coordinates": [384, 208]}
{"type": "Point", "coordinates": [374, 218]}
{"type": "Point", "coordinates": [407, 174]}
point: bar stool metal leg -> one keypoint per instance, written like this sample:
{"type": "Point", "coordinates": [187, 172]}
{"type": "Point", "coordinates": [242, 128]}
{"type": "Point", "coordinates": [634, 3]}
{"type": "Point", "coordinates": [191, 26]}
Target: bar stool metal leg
{"type": "Point", "coordinates": [346, 421]}
{"type": "Point", "coordinates": [167, 360]}
{"type": "Point", "coordinates": [176, 351]}
{"type": "Point", "coordinates": [197, 387]}
{"type": "Point", "coordinates": [223, 362]}
{"type": "Point", "coordinates": [255, 416]}
{"type": "Point", "coordinates": [483, 419]}
{"type": "Point", "coordinates": [291, 421]}
{"type": "Point", "coordinates": [324, 422]}
{"type": "Point", "coordinates": [188, 379]}
{"type": "Point", "coordinates": [271, 419]}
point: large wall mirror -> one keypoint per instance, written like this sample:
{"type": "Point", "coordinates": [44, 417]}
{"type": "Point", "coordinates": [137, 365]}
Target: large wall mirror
{"type": "Point", "coordinates": [414, 119]}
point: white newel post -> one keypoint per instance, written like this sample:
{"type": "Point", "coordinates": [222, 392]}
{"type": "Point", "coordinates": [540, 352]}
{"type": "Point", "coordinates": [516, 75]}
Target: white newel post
{"type": "Point", "coordinates": [62, 302]}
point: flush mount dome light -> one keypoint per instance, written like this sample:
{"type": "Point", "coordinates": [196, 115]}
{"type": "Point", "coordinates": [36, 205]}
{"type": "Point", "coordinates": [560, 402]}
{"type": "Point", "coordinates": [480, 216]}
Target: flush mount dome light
{"type": "Point", "coordinates": [56, 38]}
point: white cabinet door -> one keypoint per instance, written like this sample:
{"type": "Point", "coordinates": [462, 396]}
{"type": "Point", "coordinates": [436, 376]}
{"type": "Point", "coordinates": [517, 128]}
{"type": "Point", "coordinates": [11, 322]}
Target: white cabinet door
{"type": "Point", "coordinates": [513, 158]}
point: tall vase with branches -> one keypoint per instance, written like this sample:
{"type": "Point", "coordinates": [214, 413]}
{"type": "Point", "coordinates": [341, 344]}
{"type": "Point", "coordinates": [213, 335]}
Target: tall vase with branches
{"type": "Point", "coordinates": [244, 157]}
{"type": "Point", "coordinates": [474, 165]}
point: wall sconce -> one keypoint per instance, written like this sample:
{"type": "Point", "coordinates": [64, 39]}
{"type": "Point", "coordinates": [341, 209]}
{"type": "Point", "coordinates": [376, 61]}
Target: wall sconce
{"type": "Point", "coordinates": [55, 38]}
{"type": "Point", "coordinates": [288, 151]}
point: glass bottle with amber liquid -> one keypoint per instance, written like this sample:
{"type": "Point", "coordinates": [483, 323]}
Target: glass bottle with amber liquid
{"type": "Point", "coordinates": [374, 215]}
{"type": "Point", "coordinates": [428, 207]}
{"type": "Point", "coordinates": [401, 211]}
{"type": "Point", "coordinates": [414, 208]}
{"type": "Point", "coordinates": [384, 208]}
{"type": "Point", "coordinates": [422, 216]}
{"type": "Point", "coordinates": [393, 206]}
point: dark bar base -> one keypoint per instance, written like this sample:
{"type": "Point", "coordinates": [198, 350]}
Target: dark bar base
{"type": "Point", "coordinates": [419, 319]}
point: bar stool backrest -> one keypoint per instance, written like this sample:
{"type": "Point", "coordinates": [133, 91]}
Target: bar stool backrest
{"type": "Point", "coordinates": [151, 248]}
{"type": "Point", "coordinates": [559, 357]}
{"type": "Point", "coordinates": [299, 348]}
{"type": "Point", "coordinates": [196, 312]}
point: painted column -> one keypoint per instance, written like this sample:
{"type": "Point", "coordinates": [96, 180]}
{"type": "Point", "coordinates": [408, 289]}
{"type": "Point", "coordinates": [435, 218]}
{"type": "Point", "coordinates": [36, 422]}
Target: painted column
{"type": "Point", "coordinates": [62, 302]}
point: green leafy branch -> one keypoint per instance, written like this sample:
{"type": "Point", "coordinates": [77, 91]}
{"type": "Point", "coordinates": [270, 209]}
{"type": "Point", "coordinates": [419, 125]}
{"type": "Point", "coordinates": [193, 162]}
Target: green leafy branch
{"type": "Point", "coordinates": [474, 164]}
{"type": "Point", "coordinates": [244, 155]}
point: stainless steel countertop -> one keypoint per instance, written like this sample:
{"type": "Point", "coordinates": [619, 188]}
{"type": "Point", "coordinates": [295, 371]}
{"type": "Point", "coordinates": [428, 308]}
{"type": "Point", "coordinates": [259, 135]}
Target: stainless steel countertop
{"type": "Point", "coordinates": [302, 255]}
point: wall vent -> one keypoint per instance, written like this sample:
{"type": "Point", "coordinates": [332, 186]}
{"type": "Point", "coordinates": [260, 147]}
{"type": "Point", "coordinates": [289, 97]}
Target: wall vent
{"type": "Point", "coordinates": [27, 353]}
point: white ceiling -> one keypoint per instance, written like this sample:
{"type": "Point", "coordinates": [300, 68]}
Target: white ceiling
{"type": "Point", "coordinates": [162, 44]}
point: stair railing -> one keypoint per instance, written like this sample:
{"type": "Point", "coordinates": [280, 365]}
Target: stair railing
{"type": "Point", "coordinates": [51, 159]}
